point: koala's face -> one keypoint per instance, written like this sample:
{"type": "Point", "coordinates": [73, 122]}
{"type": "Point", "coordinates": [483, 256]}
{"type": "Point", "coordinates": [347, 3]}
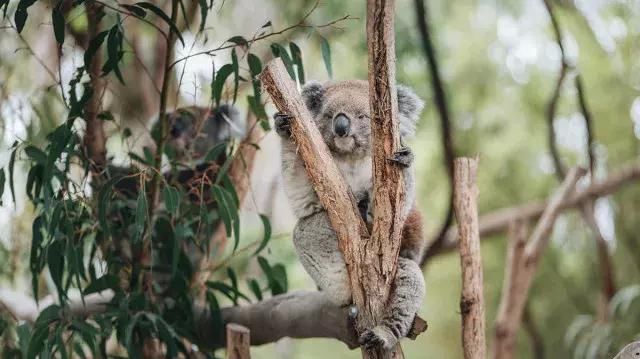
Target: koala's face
{"type": "Point", "coordinates": [342, 114]}
{"type": "Point", "coordinates": [193, 131]}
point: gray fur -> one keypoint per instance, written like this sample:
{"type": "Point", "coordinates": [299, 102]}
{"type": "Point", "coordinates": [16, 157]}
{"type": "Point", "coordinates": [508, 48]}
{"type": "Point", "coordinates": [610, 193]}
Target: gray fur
{"type": "Point", "coordinates": [315, 241]}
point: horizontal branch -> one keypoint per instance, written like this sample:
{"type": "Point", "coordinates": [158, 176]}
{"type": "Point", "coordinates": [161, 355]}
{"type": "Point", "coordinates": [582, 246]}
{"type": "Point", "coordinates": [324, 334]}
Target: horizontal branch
{"type": "Point", "coordinates": [498, 221]}
{"type": "Point", "coordinates": [300, 314]}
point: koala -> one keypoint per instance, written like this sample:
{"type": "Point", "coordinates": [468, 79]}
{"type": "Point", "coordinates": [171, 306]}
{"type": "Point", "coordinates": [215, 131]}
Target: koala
{"type": "Point", "coordinates": [195, 130]}
{"type": "Point", "coordinates": [342, 115]}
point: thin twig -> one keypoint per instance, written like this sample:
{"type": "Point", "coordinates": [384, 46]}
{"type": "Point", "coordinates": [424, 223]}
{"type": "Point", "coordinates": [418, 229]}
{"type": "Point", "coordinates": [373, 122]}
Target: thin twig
{"type": "Point", "coordinates": [300, 24]}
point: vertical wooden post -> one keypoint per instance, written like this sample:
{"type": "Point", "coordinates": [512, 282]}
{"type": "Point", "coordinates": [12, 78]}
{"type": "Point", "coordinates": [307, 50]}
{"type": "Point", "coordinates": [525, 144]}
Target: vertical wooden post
{"type": "Point", "coordinates": [238, 342]}
{"type": "Point", "coordinates": [465, 200]}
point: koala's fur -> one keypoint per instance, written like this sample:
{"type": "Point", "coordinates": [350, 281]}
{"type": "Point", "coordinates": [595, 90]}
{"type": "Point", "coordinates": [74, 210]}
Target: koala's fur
{"type": "Point", "coordinates": [313, 236]}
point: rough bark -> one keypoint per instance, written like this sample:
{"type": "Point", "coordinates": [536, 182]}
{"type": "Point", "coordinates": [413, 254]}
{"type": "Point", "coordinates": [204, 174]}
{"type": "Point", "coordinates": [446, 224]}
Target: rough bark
{"type": "Point", "coordinates": [238, 341]}
{"type": "Point", "coordinates": [498, 221]}
{"type": "Point", "coordinates": [94, 138]}
{"type": "Point", "coordinates": [465, 200]}
{"type": "Point", "coordinates": [522, 265]}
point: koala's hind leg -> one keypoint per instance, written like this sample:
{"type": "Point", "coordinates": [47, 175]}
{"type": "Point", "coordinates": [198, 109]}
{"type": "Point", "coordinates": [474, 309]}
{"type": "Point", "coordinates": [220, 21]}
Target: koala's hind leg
{"type": "Point", "coordinates": [404, 304]}
{"type": "Point", "coordinates": [317, 247]}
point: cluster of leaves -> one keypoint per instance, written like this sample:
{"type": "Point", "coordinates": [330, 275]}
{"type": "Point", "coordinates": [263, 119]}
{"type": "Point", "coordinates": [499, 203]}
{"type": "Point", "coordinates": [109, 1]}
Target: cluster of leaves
{"type": "Point", "coordinates": [590, 338]}
{"type": "Point", "coordinates": [94, 243]}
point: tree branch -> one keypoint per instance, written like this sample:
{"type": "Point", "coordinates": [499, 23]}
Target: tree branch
{"type": "Point", "coordinates": [445, 122]}
{"type": "Point", "coordinates": [300, 314]}
{"type": "Point", "coordinates": [522, 264]}
{"type": "Point", "coordinates": [496, 222]}
{"type": "Point", "coordinates": [465, 200]}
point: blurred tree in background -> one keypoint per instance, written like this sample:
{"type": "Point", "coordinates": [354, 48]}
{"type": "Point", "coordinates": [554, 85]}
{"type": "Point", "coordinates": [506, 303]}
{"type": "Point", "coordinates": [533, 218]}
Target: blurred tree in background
{"type": "Point", "coordinates": [75, 72]}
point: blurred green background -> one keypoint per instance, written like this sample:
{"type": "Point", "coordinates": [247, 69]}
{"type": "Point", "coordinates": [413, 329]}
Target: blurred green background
{"type": "Point", "coordinates": [499, 62]}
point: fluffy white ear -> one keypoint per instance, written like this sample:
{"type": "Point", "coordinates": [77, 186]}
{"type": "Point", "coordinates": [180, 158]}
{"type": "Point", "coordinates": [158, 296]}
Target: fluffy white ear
{"type": "Point", "coordinates": [409, 108]}
{"type": "Point", "coordinates": [313, 95]}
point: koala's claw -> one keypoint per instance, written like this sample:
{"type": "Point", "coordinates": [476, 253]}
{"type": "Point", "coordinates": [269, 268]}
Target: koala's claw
{"type": "Point", "coordinates": [375, 338]}
{"type": "Point", "coordinates": [283, 124]}
{"type": "Point", "coordinates": [403, 157]}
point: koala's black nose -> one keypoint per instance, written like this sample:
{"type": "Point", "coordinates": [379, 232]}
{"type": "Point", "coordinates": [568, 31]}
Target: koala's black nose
{"type": "Point", "coordinates": [341, 125]}
{"type": "Point", "coordinates": [175, 132]}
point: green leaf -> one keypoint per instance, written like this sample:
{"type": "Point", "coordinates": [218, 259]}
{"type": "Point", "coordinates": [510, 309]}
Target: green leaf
{"type": "Point", "coordinates": [223, 209]}
{"type": "Point", "coordinates": [107, 281]}
{"type": "Point", "coordinates": [58, 22]}
{"type": "Point", "coordinates": [114, 46]}
{"type": "Point", "coordinates": [94, 46]}
{"type": "Point", "coordinates": [104, 198]}
{"type": "Point", "coordinates": [151, 7]}
{"type": "Point", "coordinates": [281, 52]}
{"type": "Point", "coordinates": [36, 154]}
{"type": "Point", "coordinates": [296, 54]}
{"type": "Point", "coordinates": [141, 214]}
{"type": "Point", "coordinates": [267, 234]}
{"type": "Point", "coordinates": [280, 277]}
{"type": "Point", "coordinates": [204, 10]}
{"type": "Point", "coordinates": [255, 65]}
{"type": "Point", "coordinates": [276, 276]}
{"type": "Point", "coordinates": [135, 10]}
{"type": "Point", "coordinates": [236, 74]}
{"type": "Point", "coordinates": [21, 14]}
{"type": "Point", "coordinates": [36, 241]}
{"type": "Point", "coordinates": [218, 84]}
{"type": "Point", "coordinates": [255, 288]}
{"type": "Point", "coordinates": [12, 164]}
{"type": "Point", "coordinates": [215, 152]}
{"type": "Point", "coordinates": [2, 181]}
{"type": "Point", "coordinates": [56, 261]}
{"type": "Point", "coordinates": [171, 199]}
{"type": "Point", "coordinates": [238, 40]}
{"type": "Point", "coordinates": [326, 55]}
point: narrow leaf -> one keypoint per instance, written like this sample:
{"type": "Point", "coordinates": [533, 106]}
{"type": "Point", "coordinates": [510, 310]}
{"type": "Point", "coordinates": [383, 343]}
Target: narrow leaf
{"type": "Point", "coordinates": [326, 55]}
{"type": "Point", "coordinates": [151, 7]}
{"type": "Point", "coordinates": [267, 234]}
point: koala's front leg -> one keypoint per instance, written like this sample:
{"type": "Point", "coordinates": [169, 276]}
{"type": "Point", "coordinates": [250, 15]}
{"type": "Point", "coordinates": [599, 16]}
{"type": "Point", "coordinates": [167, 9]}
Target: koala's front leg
{"type": "Point", "coordinates": [404, 304]}
{"type": "Point", "coordinates": [317, 246]}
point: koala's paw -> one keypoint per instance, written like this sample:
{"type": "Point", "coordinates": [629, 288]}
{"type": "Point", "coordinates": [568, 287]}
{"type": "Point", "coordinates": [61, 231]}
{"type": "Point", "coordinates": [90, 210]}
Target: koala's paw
{"type": "Point", "coordinates": [283, 124]}
{"type": "Point", "coordinates": [378, 337]}
{"type": "Point", "coordinates": [403, 157]}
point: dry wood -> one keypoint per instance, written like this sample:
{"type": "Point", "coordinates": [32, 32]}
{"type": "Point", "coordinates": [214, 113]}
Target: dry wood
{"type": "Point", "coordinates": [498, 221]}
{"type": "Point", "coordinates": [238, 341]}
{"type": "Point", "coordinates": [522, 266]}
{"type": "Point", "coordinates": [465, 201]}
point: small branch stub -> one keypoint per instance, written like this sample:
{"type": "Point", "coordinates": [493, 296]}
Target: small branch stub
{"type": "Point", "coordinates": [238, 342]}
{"type": "Point", "coordinates": [472, 299]}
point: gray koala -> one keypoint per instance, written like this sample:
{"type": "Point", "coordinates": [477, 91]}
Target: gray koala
{"type": "Point", "coordinates": [341, 112]}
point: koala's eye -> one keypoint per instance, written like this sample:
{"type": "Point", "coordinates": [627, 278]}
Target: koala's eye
{"type": "Point", "coordinates": [328, 116]}
{"type": "Point", "coordinates": [362, 116]}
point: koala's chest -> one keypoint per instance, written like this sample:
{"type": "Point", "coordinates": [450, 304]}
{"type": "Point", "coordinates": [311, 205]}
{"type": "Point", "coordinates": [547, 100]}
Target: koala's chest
{"type": "Point", "coordinates": [357, 174]}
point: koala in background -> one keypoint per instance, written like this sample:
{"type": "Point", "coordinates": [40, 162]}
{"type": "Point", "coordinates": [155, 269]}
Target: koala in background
{"type": "Point", "coordinates": [342, 115]}
{"type": "Point", "coordinates": [193, 131]}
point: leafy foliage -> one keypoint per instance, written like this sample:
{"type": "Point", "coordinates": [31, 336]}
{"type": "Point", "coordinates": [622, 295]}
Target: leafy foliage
{"type": "Point", "coordinates": [105, 232]}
